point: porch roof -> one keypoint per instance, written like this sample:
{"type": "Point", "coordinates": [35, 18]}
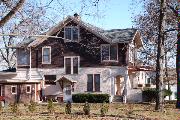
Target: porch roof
{"type": "Point", "coordinates": [65, 78]}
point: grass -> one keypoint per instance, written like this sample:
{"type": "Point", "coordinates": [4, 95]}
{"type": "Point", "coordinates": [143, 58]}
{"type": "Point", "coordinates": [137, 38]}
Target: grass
{"type": "Point", "coordinates": [116, 110]}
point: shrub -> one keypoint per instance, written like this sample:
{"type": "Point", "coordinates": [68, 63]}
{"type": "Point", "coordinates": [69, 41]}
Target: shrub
{"type": "Point", "coordinates": [91, 98]}
{"type": "Point", "coordinates": [86, 108]}
{"type": "Point", "coordinates": [32, 106]}
{"type": "Point", "coordinates": [104, 109]}
{"type": "Point", "coordinates": [167, 92]}
{"type": "Point", "coordinates": [1, 107]}
{"type": "Point", "coordinates": [50, 106]}
{"type": "Point", "coordinates": [149, 95]}
{"type": "Point", "coordinates": [68, 108]}
{"type": "Point", "coordinates": [14, 107]}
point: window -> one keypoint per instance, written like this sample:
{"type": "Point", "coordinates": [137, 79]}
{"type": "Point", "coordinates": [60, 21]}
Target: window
{"type": "Point", "coordinates": [28, 89]}
{"type": "Point", "coordinates": [71, 65]}
{"type": "Point", "coordinates": [13, 89]}
{"type": "Point", "coordinates": [148, 81]}
{"type": "Point", "coordinates": [93, 82]}
{"type": "Point", "coordinates": [71, 33]}
{"type": "Point", "coordinates": [49, 79]}
{"type": "Point", "coordinates": [46, 55]}
{"type": "Point", "coordinates": [109, 52]}
{"type": "Point", "coordinates": [22, 57]}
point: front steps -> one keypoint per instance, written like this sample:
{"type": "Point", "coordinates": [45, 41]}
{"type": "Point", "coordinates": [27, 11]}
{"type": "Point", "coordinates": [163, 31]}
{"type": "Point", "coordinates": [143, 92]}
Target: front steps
{"type": "Point", "coordinates": [117, 98]}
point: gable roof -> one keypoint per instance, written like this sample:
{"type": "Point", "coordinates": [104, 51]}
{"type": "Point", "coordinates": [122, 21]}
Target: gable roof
{"type": "Point", "coordinates": [120, 35]}
{"type": "Point", "coordinates": [110, 36]}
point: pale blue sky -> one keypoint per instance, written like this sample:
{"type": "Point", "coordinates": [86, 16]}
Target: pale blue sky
{"type": "Point", "coordinates": [112, 13]}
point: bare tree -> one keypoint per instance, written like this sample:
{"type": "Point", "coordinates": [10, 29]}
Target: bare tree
{"type": "Point", "coordinates": [12, 12]}
{"type": "Point", "coordinates": [153, 29]}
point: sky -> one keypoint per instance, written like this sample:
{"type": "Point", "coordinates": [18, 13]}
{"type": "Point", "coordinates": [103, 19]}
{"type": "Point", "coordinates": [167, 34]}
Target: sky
{"type": "Point", "coordinates": [112, 14]}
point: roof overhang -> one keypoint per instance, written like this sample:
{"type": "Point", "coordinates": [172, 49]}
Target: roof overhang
{"type": "Point", "coordinates": [63, 78]}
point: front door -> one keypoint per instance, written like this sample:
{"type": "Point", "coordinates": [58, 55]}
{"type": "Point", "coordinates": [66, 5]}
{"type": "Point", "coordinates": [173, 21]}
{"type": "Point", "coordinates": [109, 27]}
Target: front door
{"type": "Point", "coordinates": [118, 85]}
{"type": "Point", "coordinates": [67, 93]}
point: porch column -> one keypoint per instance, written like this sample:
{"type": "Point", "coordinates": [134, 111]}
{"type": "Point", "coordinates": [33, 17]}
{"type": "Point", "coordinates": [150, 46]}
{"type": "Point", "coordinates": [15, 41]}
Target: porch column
{"type": "Point", "coordinates": [126, 78]}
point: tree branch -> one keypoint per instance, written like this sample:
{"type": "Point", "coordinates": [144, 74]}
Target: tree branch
{"type": "Point", "coordinates": [11, 13]}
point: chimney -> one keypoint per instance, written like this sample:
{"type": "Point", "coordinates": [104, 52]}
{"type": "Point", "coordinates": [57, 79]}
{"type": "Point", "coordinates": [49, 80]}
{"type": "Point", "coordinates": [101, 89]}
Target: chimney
{"type": "Point", "coordinates": [77, 17]}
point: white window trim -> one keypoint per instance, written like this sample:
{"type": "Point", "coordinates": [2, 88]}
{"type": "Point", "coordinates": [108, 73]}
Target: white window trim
{"type": "Point", "coordinates": [109, 53]}
{"type": "Point", "coordinates": [95, 83]}
{"type": "Point", "coordinates": [71, 57]}
{"type": "Point", "coordinates": [15, 89]}
{"type": "Point", "coordinates": [67, 40]}
{"type": "Point", "coordinates": [49, 55]}
{"type": "Point", "coordinates": [26, 88]}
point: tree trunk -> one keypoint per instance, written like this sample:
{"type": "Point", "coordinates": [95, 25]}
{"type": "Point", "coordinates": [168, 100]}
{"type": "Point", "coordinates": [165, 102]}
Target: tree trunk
{"type": "Point", "coordinates": [166, 74]}
{"type": "Point", "coordinates": [160, 59]}
{"type": "Point", "coordinates": [178, 59]}
{"type": "Point", "coordinates": [11, 13]}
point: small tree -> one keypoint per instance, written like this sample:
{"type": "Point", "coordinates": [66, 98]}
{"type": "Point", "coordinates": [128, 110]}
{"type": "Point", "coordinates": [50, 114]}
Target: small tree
{"type": "Point", "coordinates": [86, 108]}
{"type": "Point", "coordinates": [14, 108]}
{"type": "Point", "coordinates": [104, 109]}
{"type": "Point", "coordinates": [68, 108]}
{"type": "Point", "coordinates": [32, 107]}
{"type": "Point", "coordinates": [1, 107]}
{"type": "Point", "coordinates": [50, 106]}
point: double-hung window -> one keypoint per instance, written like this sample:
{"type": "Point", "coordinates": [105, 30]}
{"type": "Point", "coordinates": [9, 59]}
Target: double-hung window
{"type": "Point", "coordinates": [93, 82]}
{"type": "Point", "coordinates": [71, 65]}
{"type": "Point", "coordinates": [109, 52]}
{"type": "Point", "coordinates": [71, 33]}
{"type": "Point", "coordinates": [46, 55]}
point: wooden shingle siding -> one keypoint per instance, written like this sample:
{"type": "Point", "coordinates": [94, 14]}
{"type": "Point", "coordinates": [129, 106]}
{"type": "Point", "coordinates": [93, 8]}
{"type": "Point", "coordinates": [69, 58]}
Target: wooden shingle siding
{"type": "Point", "coordinates": [88, 48]}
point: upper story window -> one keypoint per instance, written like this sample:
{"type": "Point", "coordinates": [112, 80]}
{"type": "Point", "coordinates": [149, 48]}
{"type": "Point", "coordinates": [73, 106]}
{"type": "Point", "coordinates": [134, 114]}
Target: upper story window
{"type": "Point", "coordinates": [71, 33]}
{"type": "Point", "coordinates": [46, 55]}
{"type": "Point", "coordinates": [71, 65]}
{"type": "Point", "coordinates": [109, 52]}
{"type": "Point", "coordinates": [22, 57]}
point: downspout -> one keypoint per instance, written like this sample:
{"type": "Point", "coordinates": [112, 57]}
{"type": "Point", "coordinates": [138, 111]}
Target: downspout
{"type": "Point", "coordinates": [30, 64]}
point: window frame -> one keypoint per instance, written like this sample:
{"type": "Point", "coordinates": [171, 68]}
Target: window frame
{"type": "Point", "coordinates": [109, 46]}
{"type": "Point", "coordinates": [49, 47]}
{"type": "Point", "coordinates": [17, 61]}
{"type": "Point", "coordinates": [94, 83]}
{"type": "Point", "coordinates": [14, 93]}
{"type": "Point", "coordinates": [29, 88]}
{"type": "Point", "coordinates": [53, 83]}
{"type": "Point", "coordinates": [72, 39]}
{"type": "Point", "coordinates": [72, 69]}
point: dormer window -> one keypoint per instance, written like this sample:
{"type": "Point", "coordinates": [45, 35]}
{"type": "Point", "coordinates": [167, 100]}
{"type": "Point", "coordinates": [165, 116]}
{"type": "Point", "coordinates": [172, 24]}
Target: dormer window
{"type": "Point", "coordinates": [109, 52]}
{"type": "Point", "coordinates": [46, 55]}
{"type": "Point", "coordinates": [71, 33]}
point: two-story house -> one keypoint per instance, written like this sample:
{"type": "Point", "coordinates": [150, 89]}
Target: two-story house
{"type": "Point", "coordinates": [74, 57]}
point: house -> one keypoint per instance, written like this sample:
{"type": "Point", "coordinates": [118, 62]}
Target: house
{"type": "Point", "coordinates": [79, 58]}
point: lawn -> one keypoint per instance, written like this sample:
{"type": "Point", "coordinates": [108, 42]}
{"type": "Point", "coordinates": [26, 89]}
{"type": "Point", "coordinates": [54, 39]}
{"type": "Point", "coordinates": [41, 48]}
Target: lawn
{"type": "Point", "coordinates": [116, 111]}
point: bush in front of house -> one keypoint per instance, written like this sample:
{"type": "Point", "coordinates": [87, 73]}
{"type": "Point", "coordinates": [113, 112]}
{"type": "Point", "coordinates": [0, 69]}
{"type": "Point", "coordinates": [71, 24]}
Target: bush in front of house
{"type": "Point", "coordinates": [91, 98]}
{"type": "Point", "coordinates": [149, 95]}
{"type": "Point", "coordinates": [104, 109]}
{"type": "Point", "coordinates": [86, 108]}
{"type": "Point", "coordinates": [32, 107]}
{"type": "Point", "coordinates": [50, 106]}
{"type": "Point", "coordinates": [68, 107]}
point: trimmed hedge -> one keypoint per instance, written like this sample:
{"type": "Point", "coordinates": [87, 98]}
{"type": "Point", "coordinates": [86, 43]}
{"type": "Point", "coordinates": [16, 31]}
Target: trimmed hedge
{"type": "Point", "coordinates": [149, 95]}
{"type": "Point", "coordinates": [91, 98]}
